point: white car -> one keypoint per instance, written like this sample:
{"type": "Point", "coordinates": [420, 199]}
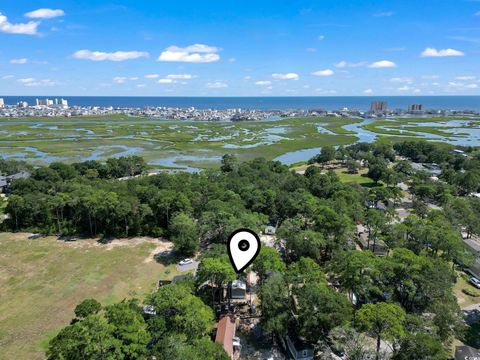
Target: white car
{"type": "Point", "coordinates": [475, 282]}
{"type": "Point", "coordinates": [185, 262]}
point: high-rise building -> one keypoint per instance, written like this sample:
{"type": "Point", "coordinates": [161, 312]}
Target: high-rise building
{"type": "Point", "coordinates": [413, 108]}
{"type": "Point", "coordinates": [378, 106]}
{"type": "Point", "coordinates": [45, 102]}
{"type": "Point", "coordinates": [2, 103]}
{"type": "Point", "coordinates": [22, 104]}
{"type": "Point", "coordinates": [63, 103]}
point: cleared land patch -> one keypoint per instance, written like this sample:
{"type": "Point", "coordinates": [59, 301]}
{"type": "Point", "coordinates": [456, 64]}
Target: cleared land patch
{"type": "Point", "coordinates": [42, 280]}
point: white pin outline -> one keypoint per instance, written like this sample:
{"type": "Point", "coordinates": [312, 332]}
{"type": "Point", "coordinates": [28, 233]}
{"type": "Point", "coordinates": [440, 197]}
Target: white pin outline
{"type": "Point", "coordinates": [238, 271]}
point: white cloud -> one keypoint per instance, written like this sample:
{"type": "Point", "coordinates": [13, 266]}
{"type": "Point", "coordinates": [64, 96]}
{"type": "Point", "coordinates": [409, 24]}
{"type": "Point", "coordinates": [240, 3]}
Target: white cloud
{"type": "Point", "coordinates": [326, 72]}
{"type": "Point", "coordinates": [431, 52]}
{"type": "Point", "coordinates": [404, 88]}
{"type": "Point", "coordinates": [32, 82]}
{"type": "Point", "coordinates": [8, 77]}
{"type": "Point", "coordinates": [368, 91]}
{"type": "Point", "coordinates": [405, 80]}
{"type": "Point", "coordinates": [465, 77]}
{"type": "Point", "coordinates": [263, 82]}
{"type": "Point", "coordinates": [45, 13]}
{"type": "Point", "coordinates": [287, 76]}
{"type": "Point", "coordinates": [345, 64]}
{"type": "Point", "coordinates": [123, 79]}
{"type": "Point", "coordinates": [26, 80]}
{"type": "Point", "coordinates": [109, 56]}
{"type": "Point", "coordinates": [384, 14]}
{"type": "Point", "coordinates": [232, 60]}
{"type": "Point", "coordinates": [180, 76]}
{"type": "Point", "coordinates": [165, 81]}
{"type": "Point", "coordinates": [382, 64]}
{"type": "Point", "coordinates": [321, 37]}
{"type": "Point", "coordinates": [216, 85]}
{"type": "Point", "coordinates": [326, 92]}
{"type": "Point", "coordinates": [152, 76]}
{"type": "Point", "coordinates": [197, 53]}
{"type": "Point", "coordinates": [430, 77]}
{"type": "Point", "coordinates": [29, 28]}
{"type": "Point", "coordinates": [19, 61]}
{"type": "Point", "coordinates": [460, 86]}
{"type": "Point", "coordinates": [140, 86]}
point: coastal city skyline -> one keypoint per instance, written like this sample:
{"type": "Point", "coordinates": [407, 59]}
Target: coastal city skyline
{"type": "Point", "coordinates": [304, 48]}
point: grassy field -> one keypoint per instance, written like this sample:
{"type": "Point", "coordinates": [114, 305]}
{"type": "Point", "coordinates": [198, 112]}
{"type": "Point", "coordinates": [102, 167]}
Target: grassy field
{"type": "Point", "coordinates": [42, 280]}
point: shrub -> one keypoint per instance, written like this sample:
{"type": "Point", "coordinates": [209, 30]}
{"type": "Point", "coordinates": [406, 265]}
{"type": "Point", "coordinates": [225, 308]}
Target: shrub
{"type": "Point", "coordinates": [471, 292]}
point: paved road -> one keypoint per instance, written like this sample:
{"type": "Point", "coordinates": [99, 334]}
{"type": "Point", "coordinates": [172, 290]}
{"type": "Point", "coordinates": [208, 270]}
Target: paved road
{"type": "Point", "coordinates": [189, 267]}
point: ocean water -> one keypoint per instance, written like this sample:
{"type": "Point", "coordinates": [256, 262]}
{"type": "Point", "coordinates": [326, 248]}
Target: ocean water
{"type": "Point", "coordinates": [266, 103]}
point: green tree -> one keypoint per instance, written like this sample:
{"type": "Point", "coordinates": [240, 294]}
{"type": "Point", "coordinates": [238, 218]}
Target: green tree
{"type": "Point", "coordinates": [358, 273]}
{"type": "Point", "coordinates": [87, 307]}
{"type": "Point", "coordinates": [421, 347]}
{"type": "Point", "coordinates": [320, 309]}
{"type": "Point", "coordinates": [268, 261]}
{"type": "Point", "coordinates": [184, 234]}
{"type": "Point", "coordinates": [89, 339]}
{"type": "Point", "coordinates": [130, 328]}
{"type": "Point", "coordinates": [183, 312]}
{"type": "Point", "coordinates": [377, 171]}
{"type": "Point", "coordinates": [229, 163]}
{"type": "Point", "coordinates": [382, 321]}
{"type": "Point", "coordinates": [274, 304]}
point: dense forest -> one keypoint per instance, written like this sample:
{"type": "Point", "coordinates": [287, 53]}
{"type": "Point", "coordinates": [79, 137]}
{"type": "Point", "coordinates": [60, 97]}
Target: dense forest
{"type": "Point", "coordinates": [321, 286]}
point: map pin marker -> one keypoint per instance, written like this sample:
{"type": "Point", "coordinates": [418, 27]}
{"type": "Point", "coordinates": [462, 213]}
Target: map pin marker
{"type": "Point", "coordinates": [243, 247]}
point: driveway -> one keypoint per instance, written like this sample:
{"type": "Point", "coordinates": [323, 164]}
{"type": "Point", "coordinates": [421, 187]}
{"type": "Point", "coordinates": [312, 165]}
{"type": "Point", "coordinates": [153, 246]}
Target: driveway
{"type": "Point", "coordinates": [189, 267]}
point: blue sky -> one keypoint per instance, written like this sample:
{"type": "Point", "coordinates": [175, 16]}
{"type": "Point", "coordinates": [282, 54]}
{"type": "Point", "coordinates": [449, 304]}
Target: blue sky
{"type": "Point", "coordinates": [240, 48]}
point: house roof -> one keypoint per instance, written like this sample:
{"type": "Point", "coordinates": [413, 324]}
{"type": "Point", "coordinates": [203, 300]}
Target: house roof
{"type": "Point", "coordinates": [225, 334]}
{"type": "Point", "coordinates": [466, 352]}
{"type": "Point", "coordinates": [238, 284]}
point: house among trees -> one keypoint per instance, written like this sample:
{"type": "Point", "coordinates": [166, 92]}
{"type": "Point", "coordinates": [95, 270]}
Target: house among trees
{"type": "Point", "coordinates": [225, 335]}
{"type": "Point", "coordinates": [237, 290]}
{"type": "Point", "coordinates": [378, 246]}
{"type": "Point", "coordinates": [5, 181]}
{"type": "Point", "coordinates": [270, 230]}
{"type": "Point", "coordinates": [298, 348]}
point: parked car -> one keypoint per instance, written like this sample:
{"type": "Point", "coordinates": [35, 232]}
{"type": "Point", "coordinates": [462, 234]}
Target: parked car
{"type": "Point", "coordinates": [185, 262]}
{"type": "Point", "coordinates": [475, 282]}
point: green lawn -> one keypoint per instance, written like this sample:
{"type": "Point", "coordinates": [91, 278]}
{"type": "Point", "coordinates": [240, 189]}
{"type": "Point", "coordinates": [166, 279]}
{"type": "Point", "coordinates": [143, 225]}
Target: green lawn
{"type": "Point", "coordinates": [359, 178]}
{"type": "Point", "coordinates": [42, 280]}
{"type": "Point", "coordinates": [462, 298]}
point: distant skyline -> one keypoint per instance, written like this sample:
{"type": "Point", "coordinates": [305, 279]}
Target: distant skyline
{"type": "Point", "coordinates": [240, 48]}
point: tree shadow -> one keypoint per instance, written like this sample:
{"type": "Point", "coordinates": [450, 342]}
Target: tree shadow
{"type": "Point", "coordinates": [472, 335]}
{"type": "Point", "coordinates": [167, 257]}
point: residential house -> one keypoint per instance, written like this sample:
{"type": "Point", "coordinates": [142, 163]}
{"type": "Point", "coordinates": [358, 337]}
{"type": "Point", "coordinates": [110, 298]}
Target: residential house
{"type": "Point", "coordinates": [225, 335]}
{"type": "Point", "coordinates": [298, 348]}
{"type": "Point", "coordinates": [237, 290]}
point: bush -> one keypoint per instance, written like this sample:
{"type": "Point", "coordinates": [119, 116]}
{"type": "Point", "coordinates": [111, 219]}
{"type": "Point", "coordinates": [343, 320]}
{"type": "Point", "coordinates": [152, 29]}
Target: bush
{"type": "Point", "coordinates": [471, 292]}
